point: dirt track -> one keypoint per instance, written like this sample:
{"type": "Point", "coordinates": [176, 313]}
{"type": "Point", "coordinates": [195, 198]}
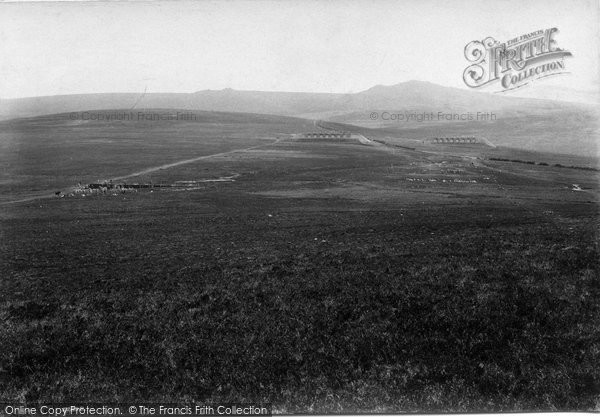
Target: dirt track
{"type": "Point", "coordinates": [187, 161]}
{"type": "Point", "coordinates": [51, 193]}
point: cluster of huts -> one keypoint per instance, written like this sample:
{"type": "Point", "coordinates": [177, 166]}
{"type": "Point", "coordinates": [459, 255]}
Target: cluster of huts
{"type": "Point", "coordinates": [101, 188]}
{"type": "Point", "coordinates": [461, 139]}
{"type": "Point", "coordinates": [325, 136]}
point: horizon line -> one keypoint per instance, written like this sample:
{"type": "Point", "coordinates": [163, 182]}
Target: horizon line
{"type": "Point", "coordinates": [250, 91]}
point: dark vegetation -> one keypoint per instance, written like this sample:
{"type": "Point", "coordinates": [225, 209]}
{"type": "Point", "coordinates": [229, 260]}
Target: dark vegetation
{"type": "Point", "coordinates": [321, 280]}
{"type": "Point", "coordinates": [543, 163]}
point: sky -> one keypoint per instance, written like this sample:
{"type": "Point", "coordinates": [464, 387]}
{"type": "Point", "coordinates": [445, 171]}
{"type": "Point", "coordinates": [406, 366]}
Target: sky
{"type": "Point", "coordinates": [50, 48]}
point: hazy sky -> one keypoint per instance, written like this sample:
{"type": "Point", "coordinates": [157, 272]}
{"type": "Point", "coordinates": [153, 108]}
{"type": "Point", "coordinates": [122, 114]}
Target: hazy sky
{"type": "Point", "coordinates": [325, 46]}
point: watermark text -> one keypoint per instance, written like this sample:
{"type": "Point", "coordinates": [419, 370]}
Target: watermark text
{"type": "Point", "coordinates": [421, 117]}
{"type": "Point", "coordinates": [134, 116]}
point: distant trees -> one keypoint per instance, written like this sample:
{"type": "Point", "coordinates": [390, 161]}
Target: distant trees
{"type": "Point", "coordinates": [520, 161]}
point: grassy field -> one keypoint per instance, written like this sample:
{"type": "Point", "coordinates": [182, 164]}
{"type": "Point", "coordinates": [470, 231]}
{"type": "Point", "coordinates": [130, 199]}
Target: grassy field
{"type": "Point", "coordinates": [53, 152]}
{"type": "Point", "coordinates": [325, 278]}
{"type": "Point", "coordinates": [563, 131]}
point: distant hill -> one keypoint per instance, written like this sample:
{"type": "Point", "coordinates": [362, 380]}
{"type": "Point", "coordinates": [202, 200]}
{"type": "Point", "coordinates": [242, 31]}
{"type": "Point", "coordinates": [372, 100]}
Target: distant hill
{"type": "Point", "coordinates": [403, 96]}
{"type": "Point", "coordinates": [539, 118]}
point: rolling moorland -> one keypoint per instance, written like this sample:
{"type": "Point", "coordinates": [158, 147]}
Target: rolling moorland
{"type": "Point", "coordinates": [397, 275]}
{"type": "Point", "coordinates": [538, 125]}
